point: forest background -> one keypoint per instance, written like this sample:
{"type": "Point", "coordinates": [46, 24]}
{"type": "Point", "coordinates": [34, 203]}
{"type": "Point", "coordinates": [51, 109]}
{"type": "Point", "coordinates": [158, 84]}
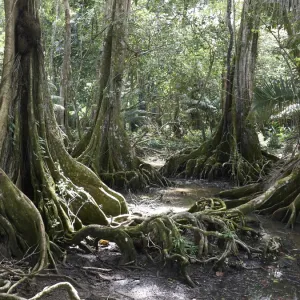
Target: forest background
{"type": "Point", "coordinates": [91, 88]}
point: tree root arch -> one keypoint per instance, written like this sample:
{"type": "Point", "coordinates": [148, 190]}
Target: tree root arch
{"type": "Point", "coordinates": [140, 178]}
{"type": "Point", "coordinates": [206, 233]}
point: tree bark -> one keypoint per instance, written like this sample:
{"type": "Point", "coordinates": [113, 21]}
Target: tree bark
{"type": "Point", "coordinates": [278, 196]}
{"type": "Point", "coordinates": [65, 87]}
{"type": "Point", "coordinates": [6, 81]}
{"type": "Point", "coordinates": [58, 194]}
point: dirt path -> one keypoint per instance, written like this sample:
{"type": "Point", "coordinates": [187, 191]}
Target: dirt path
{"type": "Point", "coordinates": [267, 280]}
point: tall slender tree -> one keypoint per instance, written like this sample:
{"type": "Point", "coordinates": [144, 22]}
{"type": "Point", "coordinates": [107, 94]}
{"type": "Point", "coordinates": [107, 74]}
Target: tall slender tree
{"type": "Point", "coordinates": [65, 84]}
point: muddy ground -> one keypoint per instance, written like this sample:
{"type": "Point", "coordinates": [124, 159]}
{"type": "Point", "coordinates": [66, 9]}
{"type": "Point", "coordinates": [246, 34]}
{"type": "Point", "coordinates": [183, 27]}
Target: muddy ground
{"type": "Point", "coordinates": [98, 276]}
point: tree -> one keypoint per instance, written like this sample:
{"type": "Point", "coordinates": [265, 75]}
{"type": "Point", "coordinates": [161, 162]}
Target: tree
{"type": "Point", "coordinates": [55, 199]}
{"type": "Point", "coordinates": [65, 87]}
{"type": "Point", "coordinates": [234, 150]}
{"type": "Point", "coordinates": [279, 195]}
{"type": "Point", "coordinates": [50, 199]}
{"type": "Point", "coordinates": [106, 148]}
{"type": "Point", "coordinates": [55, 193]}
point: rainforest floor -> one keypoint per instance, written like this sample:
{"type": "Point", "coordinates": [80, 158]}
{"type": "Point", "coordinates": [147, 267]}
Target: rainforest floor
{"type": "Point", "coordinates": [99, 276]}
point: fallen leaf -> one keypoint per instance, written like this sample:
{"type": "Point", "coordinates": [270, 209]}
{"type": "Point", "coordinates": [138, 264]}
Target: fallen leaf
{"type": "Point", "coordinates": [104, 243]}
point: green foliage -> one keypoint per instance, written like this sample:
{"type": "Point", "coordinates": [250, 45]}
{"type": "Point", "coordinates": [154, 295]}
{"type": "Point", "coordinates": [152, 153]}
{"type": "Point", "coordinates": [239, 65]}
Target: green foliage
{"type": "Point", "coordinates": [184, 245]}
{"type": "Point", "coordinates": [277, 135]}
{"type": "Point", "coordinates": [175, 59]}
{"type": "Point", "coordinates": [277, 109]}
{"type": "Point", "coordinates": [275, 94]}
{"type": "Point", "coordinates": [87, 29]}
{"type": "Point", "coordinates": [165, 140]}
{"type": "Point", "coordinates": [229, 234]}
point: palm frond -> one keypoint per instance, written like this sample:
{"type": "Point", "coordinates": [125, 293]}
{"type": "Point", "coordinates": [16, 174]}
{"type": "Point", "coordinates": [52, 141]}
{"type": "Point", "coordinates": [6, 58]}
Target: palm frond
{"type": "Point", "coordinates": [275, 95]}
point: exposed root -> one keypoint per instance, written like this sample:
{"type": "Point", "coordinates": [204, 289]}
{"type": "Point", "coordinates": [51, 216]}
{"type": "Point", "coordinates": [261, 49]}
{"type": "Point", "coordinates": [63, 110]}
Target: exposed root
{"type": "Point", "coordinates": [243, 191]}
{"type": "Point", "coordinates": [12, 276]}
{"type": "Point", "coordinates": [141, 178]}
{"type": "Point", "coordinates": [279, 197]}
{"type": "Point", "coordinates": [28, 229]}
{"type": "Point", "coordinates": [4, 285]}
{"type": "Point", "coordinates": [116, 235]}
{"type": "Point", "coordinates": [288, 214]}
{"type": "Point", "coordinates": [183, 262]}
{"type": "Point", "coordinates": [215, 160]}
{"type": "Point", "coordinates": [208, 203]}
{"type": "Point", "coordinates": [72, 293]}
{"type": "Point", "coordinates": [206, 233]}
{"type": "Point", "coordinates": [10, 297]}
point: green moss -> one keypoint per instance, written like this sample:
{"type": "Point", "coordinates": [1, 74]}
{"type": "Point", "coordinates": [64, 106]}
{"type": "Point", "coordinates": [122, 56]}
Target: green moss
{"type": "Point", "coordinates": [243, 191]}
{"type": "Point", "coordinates": [120, 181]}
{"type": "Point", "coordinates": [190, 166]}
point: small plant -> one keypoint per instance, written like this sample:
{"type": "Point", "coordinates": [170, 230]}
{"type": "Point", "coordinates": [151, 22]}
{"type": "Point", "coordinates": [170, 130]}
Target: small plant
{"type": "Point", "coordinates": [183, 245]}
{"type": "Point", "coordinates": [229, 234]}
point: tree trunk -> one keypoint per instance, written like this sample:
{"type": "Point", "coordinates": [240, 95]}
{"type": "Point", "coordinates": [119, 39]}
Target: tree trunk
{"type": "Point", "coordinates": [6, 91]}
{"type": "Point", "coordinates": [65, 85]}
{"type": "Point", "coordinates": [279, 196]}
{"type": "Point", "coordinates": [234, 151]}
{"type": "Point", "coordinates": [106, 149]}
{"type": "Point", "coordinates": [53, 44]}
{"type": "Point", "coordinates": [57, 193]}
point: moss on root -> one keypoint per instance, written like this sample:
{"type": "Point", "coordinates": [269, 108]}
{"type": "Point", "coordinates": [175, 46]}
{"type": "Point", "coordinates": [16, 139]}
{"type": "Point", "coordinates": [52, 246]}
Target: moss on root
{"type": "Point", "coordinates": [141, 178]}
{"type": "Point", "coordinates": [240, 192]}
{"type": "Point", "coordinates": [278, 195]}
{"type": "Point", "coordinates": [22, 222]}
{"type": "Point", "coordinates": [222, 157]}
{"type": "Point", "coordinates": [180, 238]}
{"type": "Point", "coordinates": [238, 169]}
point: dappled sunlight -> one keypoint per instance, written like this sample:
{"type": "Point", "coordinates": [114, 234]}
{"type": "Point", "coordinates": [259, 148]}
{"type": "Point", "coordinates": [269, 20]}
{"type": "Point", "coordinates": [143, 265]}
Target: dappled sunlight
{"type": "Point", "coordinates": [176, 199]}
{"type": "Point", "coordinates": [148, 290]}
{"type": "Point", "coordinates": [148, 149]}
